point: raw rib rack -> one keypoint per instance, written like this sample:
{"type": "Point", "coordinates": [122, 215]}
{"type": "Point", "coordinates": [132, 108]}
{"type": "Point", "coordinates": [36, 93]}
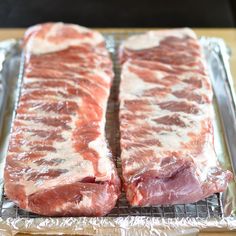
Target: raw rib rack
{"type": "Point", "coordinates": [210, 207]}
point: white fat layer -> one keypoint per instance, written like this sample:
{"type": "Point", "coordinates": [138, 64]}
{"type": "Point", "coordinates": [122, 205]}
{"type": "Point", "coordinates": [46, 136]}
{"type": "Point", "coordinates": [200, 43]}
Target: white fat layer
{"type": "Point", "coordinates": [73, 83]}
{"type": "Point", "coordinates": [153, 38]}
{"type": "Point", "coordinates": [131, 84]}
{"type": "Point", "coordinates": [138, 196]}
{"type": "Point", "coordinates": [38, 45]}
{"type": "Point", "coordinates": [86, 202]}
{"type": "Point", "coordinates": [104, 164]}
{"type": "Point", "coordinates": [135, 86]}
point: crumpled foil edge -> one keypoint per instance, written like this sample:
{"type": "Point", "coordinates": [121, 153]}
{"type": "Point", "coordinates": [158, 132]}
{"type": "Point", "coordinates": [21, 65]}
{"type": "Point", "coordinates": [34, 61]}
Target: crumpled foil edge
{"type": "Point", "coordinates": [131, 225]}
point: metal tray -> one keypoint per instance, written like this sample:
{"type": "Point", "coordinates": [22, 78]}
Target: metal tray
{"type": "Point", "coordinates": [216, 207]}
{"type": "Point", "coordinates": [6, 49]}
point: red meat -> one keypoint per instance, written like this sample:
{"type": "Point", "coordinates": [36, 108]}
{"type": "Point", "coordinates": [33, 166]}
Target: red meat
{"type": "Point", "coordinates": [166, 121]}
{"type": "Point", "coordinates": [58, 162]}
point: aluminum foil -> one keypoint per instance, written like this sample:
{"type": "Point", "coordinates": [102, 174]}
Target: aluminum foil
{"type": "Point", "coordinates": [6, 49]}
{"type": "Point", "coordinates": [216, 213]}
{"type": "Point", "coordinates": [127, 226]}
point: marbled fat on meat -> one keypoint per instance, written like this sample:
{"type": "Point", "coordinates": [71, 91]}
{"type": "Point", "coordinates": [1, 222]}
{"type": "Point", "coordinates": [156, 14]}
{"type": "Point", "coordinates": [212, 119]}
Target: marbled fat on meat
{"type": "Point", "coordinates": [166, 116]}
{"type": "Point", "coordinates": [58, 162]}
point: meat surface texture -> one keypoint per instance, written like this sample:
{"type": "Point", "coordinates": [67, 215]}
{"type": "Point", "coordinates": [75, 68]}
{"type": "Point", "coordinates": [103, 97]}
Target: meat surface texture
{"type": "Point", "coordinates": [58, 162]}
{"type": "Point", "coordinates": [166, 120]}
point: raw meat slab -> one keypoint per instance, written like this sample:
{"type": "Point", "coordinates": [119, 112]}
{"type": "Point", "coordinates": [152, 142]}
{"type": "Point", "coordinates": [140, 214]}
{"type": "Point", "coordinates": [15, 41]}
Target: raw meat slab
{"type": "Point", "coordinates": [58, 162]}
{"type": "Point", "coordinates": [166, 120]}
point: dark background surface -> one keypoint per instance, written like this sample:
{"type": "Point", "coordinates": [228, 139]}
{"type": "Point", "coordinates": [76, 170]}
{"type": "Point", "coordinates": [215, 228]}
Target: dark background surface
{"type": "Point", "coordinates": [121, 13]}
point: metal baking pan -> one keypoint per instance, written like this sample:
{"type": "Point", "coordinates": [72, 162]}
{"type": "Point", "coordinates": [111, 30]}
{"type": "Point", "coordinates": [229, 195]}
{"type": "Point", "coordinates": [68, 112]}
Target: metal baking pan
{"type": "Point", "coordinates": [215, 212]}
{"type": "Point", "coordinates": [7, 48]}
